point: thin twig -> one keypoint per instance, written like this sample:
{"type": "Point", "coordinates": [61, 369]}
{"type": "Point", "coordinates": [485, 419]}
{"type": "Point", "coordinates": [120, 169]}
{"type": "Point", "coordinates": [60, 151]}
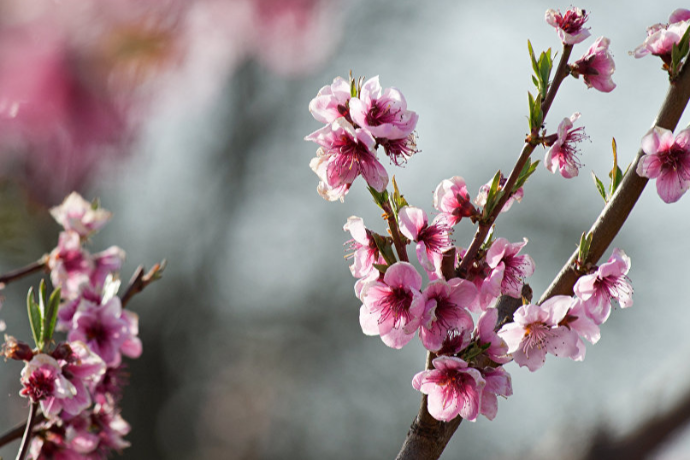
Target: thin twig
{"type": "Point", "coordinates": [140, 280]}
{"type": "Point", "coordinates": [484, 227]}
{"type": "Point", "coordinates": [18, 431]}
{"type": "Point", "coordinates": [25, 271]}
{"type": "Point", "coordinates": [26, 440]}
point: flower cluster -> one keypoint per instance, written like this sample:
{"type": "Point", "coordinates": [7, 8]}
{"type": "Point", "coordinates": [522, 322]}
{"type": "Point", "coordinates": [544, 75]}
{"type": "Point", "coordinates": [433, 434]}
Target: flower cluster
{"type": "Point", "coordinates": [455, 312]}
{"type": "Point", "coordinates": [359, 119]}
{"type": "Point", "coordinates": [78, 383]}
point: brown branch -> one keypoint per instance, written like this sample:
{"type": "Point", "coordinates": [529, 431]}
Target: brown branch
{"type": "Point", "coordinates": [140, 280]}
{"type": "Point", "coordinates": [611, 219]}
{"type": "Point", "coordinates": [398, 240]}
{"type": "Point", "coordinates": [26, 440]}
{"type": "Point", "coordinates": [25, 271]}
{"type": "Point", "coordinates": [18, 431]}
{"type": "Point", "coordinates": [427, 437]}
{"type": "Point", "coordinates": [484, 227]}
{"type": "Point", "coordinates": [645, 439]}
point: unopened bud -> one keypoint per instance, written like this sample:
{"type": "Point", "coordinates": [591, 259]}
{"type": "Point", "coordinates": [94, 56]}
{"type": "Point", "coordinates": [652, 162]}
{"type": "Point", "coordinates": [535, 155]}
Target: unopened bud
{"type": "Point", "coordinates": [62, 351]}
{"type": "Point", "coordinates": [14, 349]}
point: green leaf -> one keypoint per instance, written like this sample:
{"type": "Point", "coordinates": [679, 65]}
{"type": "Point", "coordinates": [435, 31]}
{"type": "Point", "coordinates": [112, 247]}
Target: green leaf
{"type": "Point", "coordinates": [51, 316]}
{"type": "Point", "coordinates": [493, 195]}
{"type": "Point", "coordinates": [398, 199]}
{"type": "Point", "coordinates": [381, 268]}
{"type": "Point", "coordinates": [385, 246]}
{"type": "Point", "coordinates": [535, 66]}
{"type": "Point", "coordinates": [35, 318]}
{"type": "Point", "coordinates": [600, 186]}
{"type": "Point", "coordinates": [615, 174]}
{"type": "Point", "coordinates": [380, 198]}
{"type": "Point", "coordinates": [583, 249]}
{"type": "Point", "coordinates": [527, 170]}
{"type": "Point", "coordinates": [678, 53]}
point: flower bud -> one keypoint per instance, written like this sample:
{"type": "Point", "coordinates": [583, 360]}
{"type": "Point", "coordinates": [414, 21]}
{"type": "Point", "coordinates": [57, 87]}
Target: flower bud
{"type": "Point", "coordinates": [14, 349]}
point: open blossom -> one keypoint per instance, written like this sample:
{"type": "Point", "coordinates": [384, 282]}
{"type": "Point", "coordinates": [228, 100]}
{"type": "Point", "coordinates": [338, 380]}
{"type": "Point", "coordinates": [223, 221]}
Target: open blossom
{"type": "Point", "coordinates": [578, 321]}
{"type": "Point", "coordinates": [486, 279]}
{"type": "Point", "coordinates": [383, 112]}
{"type": "Point", "coordinates": [445, 311]}
{"type": "Point", "coordinates": [483, 195]}
{"type": "Point", "coordinates": [332, 102]}
{"type": "Point", "coordinates": [454, 389]}
{"type": "Point", "coordinates": [661, 37]}
{"type": "Point", "coordinates": [319, 165]}
{"type": "Point", "coordinates": [569, 24]}
{"type": "Point", "coordinates": [516, 267]}
{"type": "Point", "coordinates": [393, 308]}
{"type": "Point", "coordinates": [596, 66]}
{"type": "Point", "coordinates": [453, 201]}
{"type": "Point", "coordinates": [498, 383]}
{"type": "Point", "coordinates": [107, 329]}
{"type": "Point", "coordinates": [432, 239]}
{"type": "Point", "coordinates": [562, 156]}
{"type": "Point", "coordinates": [61, 385]}
{"type": "Point", "coordinates": [536, 330]}
{"type": "Point", "coordinates": [668, 160]}
{"type": "Point", "coordinates": [349, 152]}
{"type": "Point", "coordinates": [608, 282]}
{"type": "Point", "coordinates": [365, 252]}
{"type": "Point", "coordinates": [76, 214]}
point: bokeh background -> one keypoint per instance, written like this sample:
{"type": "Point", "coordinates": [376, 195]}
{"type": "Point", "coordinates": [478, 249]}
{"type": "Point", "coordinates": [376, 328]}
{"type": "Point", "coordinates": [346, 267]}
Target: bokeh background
{"type": "Point", "coordinates": [187, 120]}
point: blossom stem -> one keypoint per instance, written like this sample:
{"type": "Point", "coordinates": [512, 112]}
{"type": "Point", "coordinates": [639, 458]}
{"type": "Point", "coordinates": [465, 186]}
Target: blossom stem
{"type": "Point", "coordinates": [18, 431]}
{"type": "Point", "coordinates": [612, 218]}
{"type": "Point", "coordinates": [25, 271]}
{"type": "Point", "coordinates": [26, 440]}
{"type": "Point", "coordinates": [395, 232]}
{"type": "Point", "coordinates": [484, 227]}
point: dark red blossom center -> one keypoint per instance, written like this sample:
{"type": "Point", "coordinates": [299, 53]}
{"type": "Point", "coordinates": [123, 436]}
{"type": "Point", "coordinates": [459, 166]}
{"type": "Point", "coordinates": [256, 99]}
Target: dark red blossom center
{"type": "Point", "coordinates": [677, 159]}
{"type": "Point", "coordinates": [380, 114]}
{"type": "Point", "coordinates": [453, 343]}
{"type": "Point", "coordinates": [436, 237]}
{"type": "Point", "coordinates": [572, 21]}
{"type": "Point", "coordinates": [41, 385]}
{"type": "Point", "coordinates": [397, 305]}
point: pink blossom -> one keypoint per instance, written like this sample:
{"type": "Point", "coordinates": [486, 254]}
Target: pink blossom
{"type": "Point", "coordinates": [445, 311]}
{"type": "Point", "coordinates": [661, 37]}
{"type": "Point", "coordinates": [609, 281]}
{"type": "Point", "coordinates": [365, 252]}
{"type": "Point", "coordinates": [393, 308]}
{"type": "Point", "coordinates": [483, 195]}
{"type": "Point", "coordinates": [76, 214]}
{"type": "Point", "coordinates": [536, 331]}
{"type": "Point", "coordinates": [383, 112]}
{"type": "Point", "coordinates": [562, 156]}
{"type": "Point", "coordinates": [453, 201]}
{"type": "Point", "coordinates": [106, 329]}
{"type": "Point", "coordinates": [106, 263]}
{"type": "Point", "coordinates": [498, 383]}
{"type": "Point", "coordinates": [432, 239]}
{"type": "Point", "coordinates": [349, 152]}
{"type": "Point", "coordinates": [569, 25]}
{"type": "Point", "coordinates": [668, 160]}
{"type": "Point", "coordinates": [319, 165]}
{"type": "Point", "coordinates": [70, 265]}
{"type": "Point", "coordinates": [596, 66]}
{"type": "Point", "coordinates": [455, 341]}
{"type": "Point", "coordinates": [42, 379]}
{"type": "Point", "coordinates": [399, 150]}
{"type": "Point", "coordinates": [454, 389]}
{"type": "Point", "coordinates": [485, 333]}
{"type": "Point", "coordinates": [332, 102]}
{"type": "Point", "coordinates": [578, 321]}
{"type": "Point", "coordinates": [516, 267]}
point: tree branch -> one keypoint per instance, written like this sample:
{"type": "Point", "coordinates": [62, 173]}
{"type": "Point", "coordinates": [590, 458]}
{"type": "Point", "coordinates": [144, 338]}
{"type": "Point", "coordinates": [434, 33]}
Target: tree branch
{"type": "Point", "coordinates": [18, 431]}
{"type": "Point", "coordinates": [484, 227]}
{"type": "Point", "coordinates": [25, 271]}
{"type": "Point", "coordinates": [611, 219]}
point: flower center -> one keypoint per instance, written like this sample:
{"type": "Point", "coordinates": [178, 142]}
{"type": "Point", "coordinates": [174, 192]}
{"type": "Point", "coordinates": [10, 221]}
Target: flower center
{"type": "Point", "coordinates": [397, 305]}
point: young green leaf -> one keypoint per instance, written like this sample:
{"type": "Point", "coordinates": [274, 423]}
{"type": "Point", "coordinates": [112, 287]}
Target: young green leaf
{"type": "Point", "coordinates": [600, 186]}
{"type": "Point", "coordinates": [380, 198]}
{"type": "Point", "coordinates": [35, 318]}
{"type": "Point", "coordinates": [51, 316]}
